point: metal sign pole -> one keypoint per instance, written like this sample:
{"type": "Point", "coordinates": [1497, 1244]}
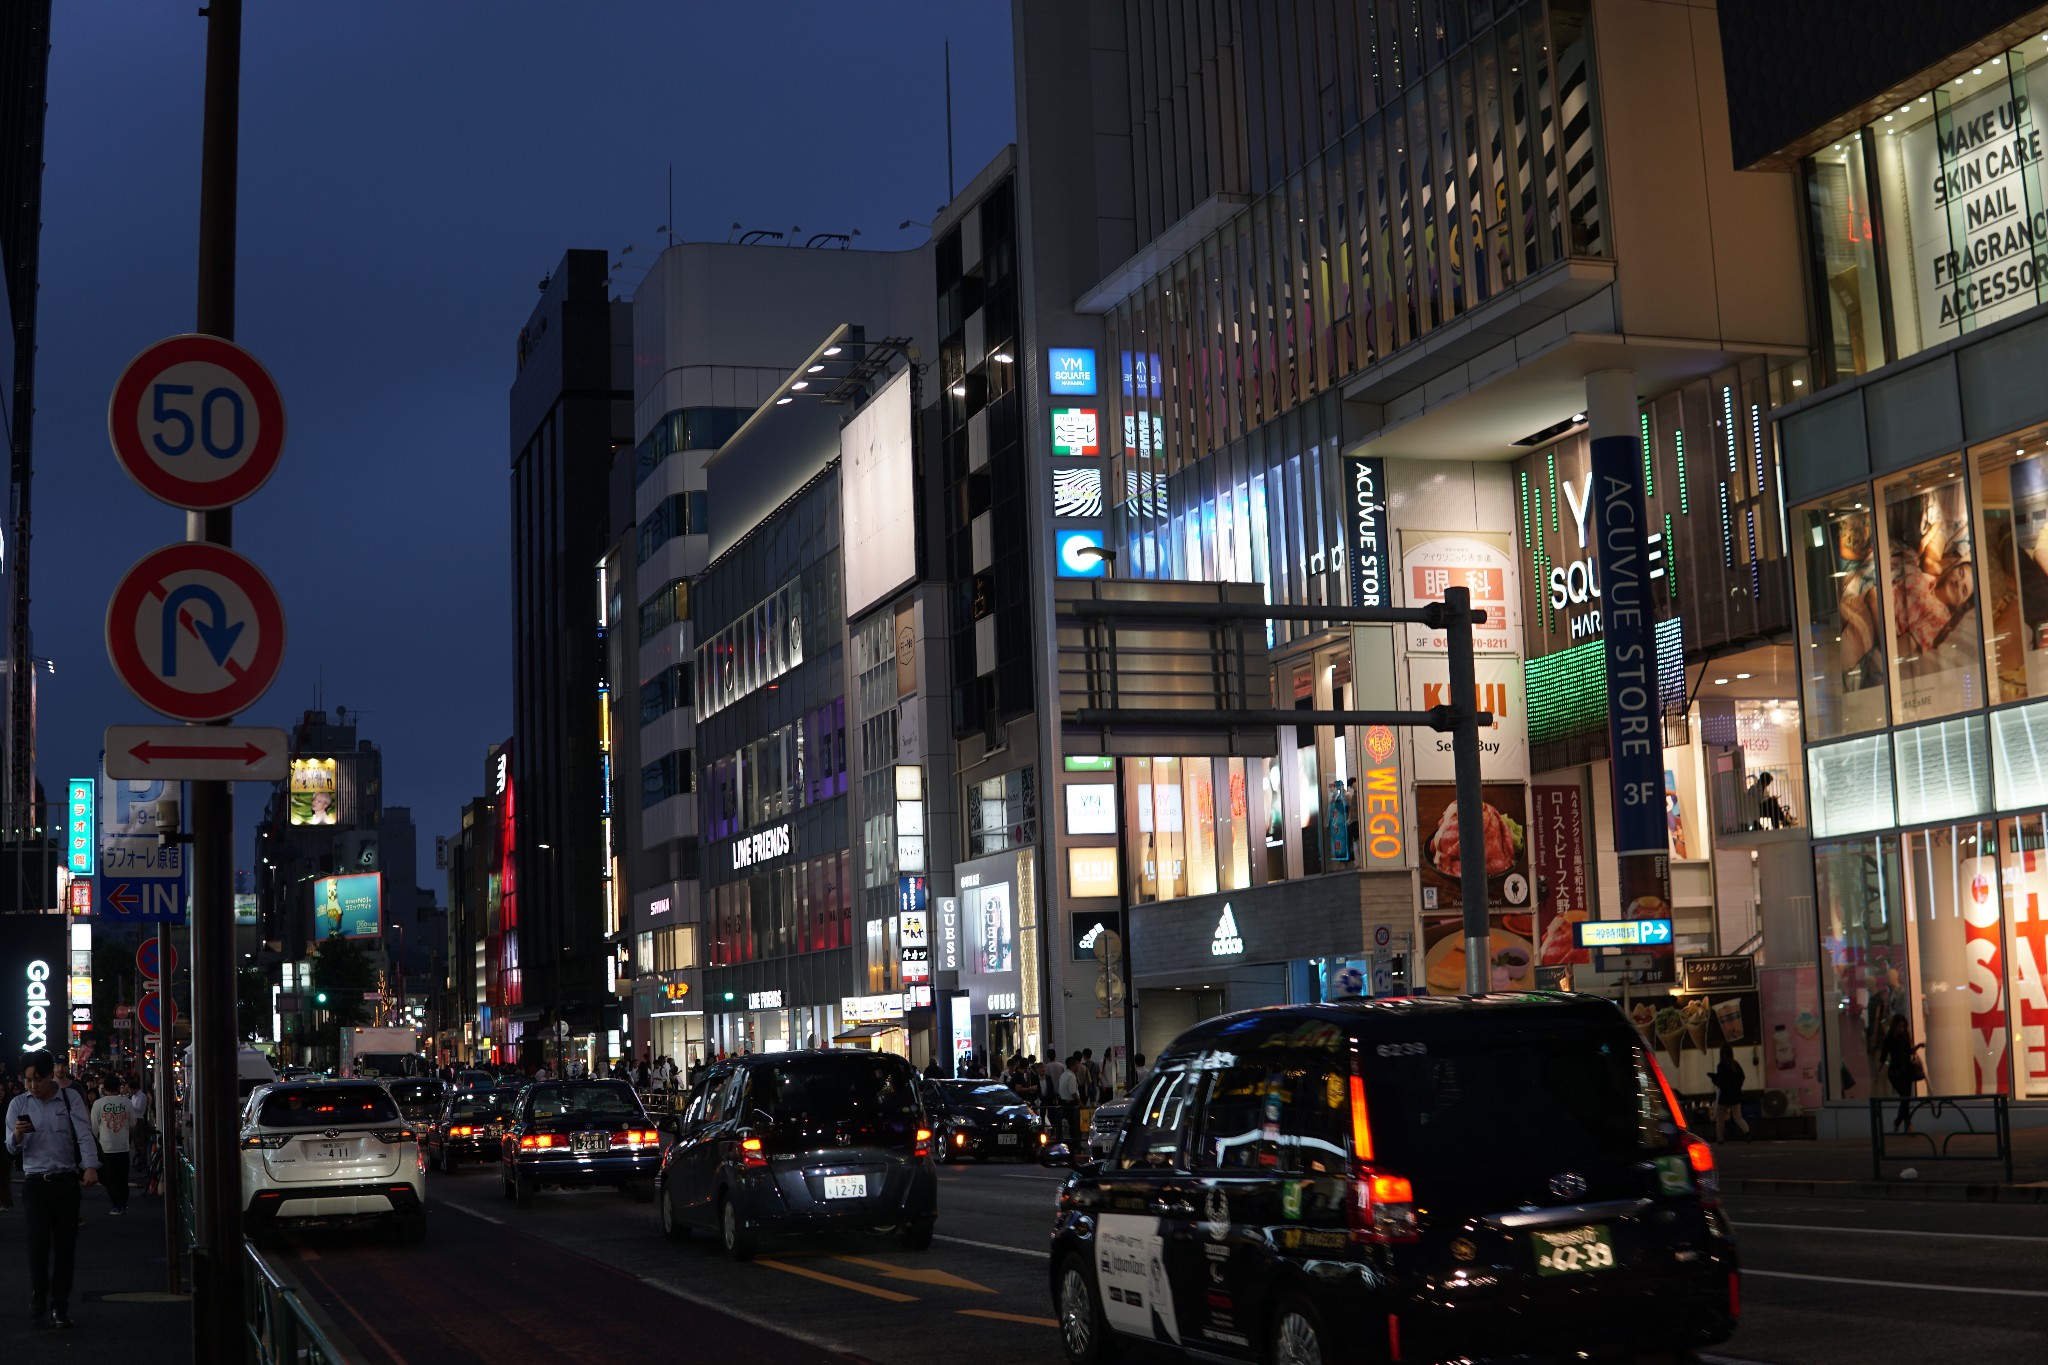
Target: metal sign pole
{"type": "Point", "coordinates": [1471, 806]}
{"type": "Point", "coordinates": [166, 1129]}
{"type": "Point", "coordinates": [217, 1309]}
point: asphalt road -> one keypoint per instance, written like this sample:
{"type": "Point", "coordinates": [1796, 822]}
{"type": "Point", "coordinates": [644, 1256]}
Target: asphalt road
{"type": "Point", "coordinates": [589, 1277]}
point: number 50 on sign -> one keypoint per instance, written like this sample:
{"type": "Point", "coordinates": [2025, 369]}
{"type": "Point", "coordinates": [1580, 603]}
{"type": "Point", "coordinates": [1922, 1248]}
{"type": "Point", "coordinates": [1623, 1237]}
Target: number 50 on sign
{"type": "Point", "coordinates": [197, 422]}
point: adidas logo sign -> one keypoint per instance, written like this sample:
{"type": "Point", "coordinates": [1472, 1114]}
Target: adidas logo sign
{"type": "Point", "coordinates": [1227, 942]}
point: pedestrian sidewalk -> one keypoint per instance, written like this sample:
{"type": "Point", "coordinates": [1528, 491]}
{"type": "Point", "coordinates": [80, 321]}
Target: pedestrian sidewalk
{"type": "Point", "coordinates": [120, 1296]}
{"type": "Point", "coordinates": [1842, 1169]}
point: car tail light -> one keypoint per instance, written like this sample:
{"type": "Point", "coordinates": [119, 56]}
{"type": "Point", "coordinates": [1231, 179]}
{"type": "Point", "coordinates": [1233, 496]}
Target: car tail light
{"type": "Point", "coordinates": [750, 1152]}
{"type": "Point", "coordinates": [393, 1136]}
{"type": "Point", "coordinates": [1043, 1137]}
{"type": "Point", "coordinates": [959, 1139]}
{"type": "Point", "coordinates": [635, 1137]}
{"type": "Point", "coordinates": [464, 1131]}
{"type": "Point", "coordinates": [923, 1145]}
{"type": "Point", "coordinates": [1706, 1176]}
{"type": "Point", "coordinates": [1393, 1336]}
{"type": "Point", "coordinates": [533, 1140]}
{"type": "Point", "coordinates": [1382, 1207]}
{"type": "Point", "coordinates": [1734, 1295]}
{"type": "Point", "coordinates": [268, 1142]}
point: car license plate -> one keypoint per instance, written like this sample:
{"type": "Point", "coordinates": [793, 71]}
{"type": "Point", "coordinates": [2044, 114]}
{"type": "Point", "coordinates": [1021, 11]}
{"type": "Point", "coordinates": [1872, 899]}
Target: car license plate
{"type": "Point", "coordinates": [846, 1187]}
{"type": "Point", "coordinates": [592, 1142]}
{"type": "Point", "coordinates": [1572, 1251]}
{"type": "Point", "coordinates": [333, 1152]}
{"type": "Point", "coordinates": [1006, 1139]}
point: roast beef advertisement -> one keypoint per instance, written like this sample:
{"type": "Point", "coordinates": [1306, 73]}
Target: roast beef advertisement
{"type": "Point", "coordinates": [1564, 894]}
{"type": "Point", "coordinates": [1504, 835]}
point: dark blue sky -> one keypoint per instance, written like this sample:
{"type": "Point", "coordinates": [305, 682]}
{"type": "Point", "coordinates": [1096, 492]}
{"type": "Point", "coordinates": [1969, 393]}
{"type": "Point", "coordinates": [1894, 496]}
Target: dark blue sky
{"type": "Point", "coordinates": [408, 173]}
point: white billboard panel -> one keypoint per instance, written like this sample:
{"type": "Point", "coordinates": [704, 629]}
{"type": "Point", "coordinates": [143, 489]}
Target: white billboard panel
{"type": "Point", "coordinates": [877, 498]}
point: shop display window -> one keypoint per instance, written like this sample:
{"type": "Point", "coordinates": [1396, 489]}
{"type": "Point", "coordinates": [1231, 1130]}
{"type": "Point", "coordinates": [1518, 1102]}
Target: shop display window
{"type": "Point", "coordinates": [1766, 789]}
{"type": "Point", "coordinates": [1842, 230]}
{"type": "Point", "coordinates": [1842, 654]}
{"type": "Point", "coordinates": [1191, 835]}
{"type": "Point", "coordinates": [2011, 479]}
{"type": "Point", "coordinates": [1927, 552]}
{"type": "Point", "coordinates": [2006, 982]}
{"type": "Point", "coordinates": [1861, 901]}
{"type": "Point", "coordinates": [1952, 889]}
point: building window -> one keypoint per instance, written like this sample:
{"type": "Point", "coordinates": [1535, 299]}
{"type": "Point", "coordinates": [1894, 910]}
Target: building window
{"type": "Point", "coordinates": [664, 692]}
{"type": "Point", "coordinates": [1842, 620]}
{"type": "Point", "coordinates": [678, 514]}
{"type": "Point", "coordinates": [1927, 553]}
{"type": "Point", "coordinates": [687, 429]}
{"type": "Point", "coordinates": [759, 647]}
{"type": "Point", "coordinates": [665, 608]}
{"type": "Point", "coordinates": [675, 948]}
{"type": "Point", "coordinates": [669, 775]}
{"type": "Point", "coordinates": [2011, 481]}
{"type": "Point", "coordinates": [1843, 231]}
{"type": "Point", "coordinates": [1002, 813]}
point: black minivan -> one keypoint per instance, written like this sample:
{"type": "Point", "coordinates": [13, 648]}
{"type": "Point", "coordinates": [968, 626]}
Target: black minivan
{"type": "Point", "coordinates": [1400, 1180]}
{"type": "Point", "coordinates": [802, 1141]}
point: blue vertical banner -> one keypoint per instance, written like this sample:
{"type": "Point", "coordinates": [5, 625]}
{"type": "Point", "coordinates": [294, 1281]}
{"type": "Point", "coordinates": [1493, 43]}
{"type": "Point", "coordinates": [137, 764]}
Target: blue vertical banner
{"type": "Point", "coordinates": [1635, 738]}
{"type": "Point", "coordinates": [81, 826]}
{"type": "Point", "coordinates": [1365, 529]}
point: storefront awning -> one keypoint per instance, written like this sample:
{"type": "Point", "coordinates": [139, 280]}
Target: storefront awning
{"type": "Point", "coordinates": [866, 1031]}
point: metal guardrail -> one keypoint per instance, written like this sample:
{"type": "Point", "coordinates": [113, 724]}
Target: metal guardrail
{"type": "Point", "coordinates": [1939, 1108]}
{"type": "Point", "coordinates": [281, 1332]}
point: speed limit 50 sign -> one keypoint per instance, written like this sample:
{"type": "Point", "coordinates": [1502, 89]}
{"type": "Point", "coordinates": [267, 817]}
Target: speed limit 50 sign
{"type": "Point", "coordinates": [197, 422]}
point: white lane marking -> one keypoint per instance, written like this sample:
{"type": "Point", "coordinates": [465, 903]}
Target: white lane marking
{"type": "Point", "coordinates": [765, 1324]}
{"type": "Point", "coordinates": [1900, 1232]}
{"type": "Point", "coordinates": [1898, 1284]}
{"type": "Point", "coordinates": [464, 1208]}
{"type": "Point", "coordinates": [990, 1246]}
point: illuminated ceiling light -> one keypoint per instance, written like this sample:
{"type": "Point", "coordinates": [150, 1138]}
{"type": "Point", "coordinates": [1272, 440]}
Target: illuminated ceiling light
{"type": "Point", "coordinates": [1888, 117]}
{"type": "Point", "coordinates": [1720, 682]}
{"type": "Point", "coordinates": [1994, 62]}
{"type": "Point", "coordinates": [1578, 417]}
{"type": "Point", "coordinates": [959, 390]}
{"type": "Point", "coordinates": [817, 369]}
{"type": "Point", "coordinates": [801, 384]}
{"type": "Point", "coordinates": [1978, 72]}
{"type": "Point", "coordinates": [1799, 383]}
{"type": "Point", "coordinates": [1003, 358]}
{"type": "Point", "coordinates": [831, 350]}
{"type": "Point", "coordinates": [784, 399]}
{"type": "Point", "coordinates": [1742, 677]}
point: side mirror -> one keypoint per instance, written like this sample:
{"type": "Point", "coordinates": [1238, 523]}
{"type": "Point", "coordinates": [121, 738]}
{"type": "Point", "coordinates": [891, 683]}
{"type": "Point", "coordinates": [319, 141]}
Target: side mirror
{"type": "Point", "coordinates": [671, 1124]}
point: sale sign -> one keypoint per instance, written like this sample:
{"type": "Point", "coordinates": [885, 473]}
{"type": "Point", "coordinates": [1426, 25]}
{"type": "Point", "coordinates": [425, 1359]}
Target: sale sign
{"type": "Point", "coordinates": [1983, 978]}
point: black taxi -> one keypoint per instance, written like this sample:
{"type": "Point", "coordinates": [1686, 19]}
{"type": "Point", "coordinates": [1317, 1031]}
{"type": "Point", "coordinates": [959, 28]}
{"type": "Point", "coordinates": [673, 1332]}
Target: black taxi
{"type": "Point", "coordinates": [1400, 1180]}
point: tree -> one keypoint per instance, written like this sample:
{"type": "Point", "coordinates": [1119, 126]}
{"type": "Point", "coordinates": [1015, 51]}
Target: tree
{"type": "Point", "coordinates": [344, 973]}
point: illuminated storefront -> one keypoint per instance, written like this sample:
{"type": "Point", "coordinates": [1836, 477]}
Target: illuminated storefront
{"type": "Point", "coordinates": [1924, 644]}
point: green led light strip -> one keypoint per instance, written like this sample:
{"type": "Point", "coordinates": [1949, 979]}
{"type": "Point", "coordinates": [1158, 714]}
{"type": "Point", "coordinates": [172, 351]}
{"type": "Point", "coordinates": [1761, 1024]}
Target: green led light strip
{"type": "Point", "coordinates": [1649, 474]}
{"type": "Point", "coordinates": [1678, 439]}
{"type": "Point", "coordinates": [1568, 690]}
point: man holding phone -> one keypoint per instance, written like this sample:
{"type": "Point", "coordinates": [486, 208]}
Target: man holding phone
{"type": "Point", "coordinates": [50, 1129]}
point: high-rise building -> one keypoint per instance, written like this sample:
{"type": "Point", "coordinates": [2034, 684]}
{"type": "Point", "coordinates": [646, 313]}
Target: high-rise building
{"type": "Point", "coordinates": [1322, 298]}
{"type": "Point", "coordinates": [24, 73]}
{"type": "Point", "coordinates": [570, 413]}
{"type": "Point", "coordinates": [717, 329]}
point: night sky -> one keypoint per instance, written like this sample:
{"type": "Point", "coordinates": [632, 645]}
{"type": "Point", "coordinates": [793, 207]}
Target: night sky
{"type": "Point", "coordinates": [409, 172]}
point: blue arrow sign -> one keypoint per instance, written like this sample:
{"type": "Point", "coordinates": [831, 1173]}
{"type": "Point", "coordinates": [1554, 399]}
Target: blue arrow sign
{"type": "Point", "coordinates": [218, 635]}
{"type": "Point", "coordinates": [1656, 930]}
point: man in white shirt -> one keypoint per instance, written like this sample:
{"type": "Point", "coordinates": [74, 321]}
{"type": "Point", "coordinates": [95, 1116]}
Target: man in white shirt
{"type": "Point", "coordinates": [49, 1130]}
{"type": "Point", "coordinates": [113, 1128]}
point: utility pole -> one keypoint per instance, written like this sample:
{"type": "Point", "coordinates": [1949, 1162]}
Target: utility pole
{"type": "Point", "coordinates": [217, 1309]}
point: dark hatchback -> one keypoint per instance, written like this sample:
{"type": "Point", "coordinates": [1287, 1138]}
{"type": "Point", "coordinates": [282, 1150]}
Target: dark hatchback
{"type": "Point", "coordinates": [578, 1134]}
{"type": "Point", "coordinates": [1408, 1180]}
{"type": "Point", "coordinates": [983, 1119]}
{"type": "Point", "coordinates": [802, 1142]}
{"type": "Point", "coordinates": [468, 1128]}
{"type": "Point", "coordinates": [419, 1099]}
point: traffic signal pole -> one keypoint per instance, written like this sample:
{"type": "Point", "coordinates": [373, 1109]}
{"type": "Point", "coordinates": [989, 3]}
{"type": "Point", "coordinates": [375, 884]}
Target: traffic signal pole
{"type": "Point", "coordinates": [218, 1331]}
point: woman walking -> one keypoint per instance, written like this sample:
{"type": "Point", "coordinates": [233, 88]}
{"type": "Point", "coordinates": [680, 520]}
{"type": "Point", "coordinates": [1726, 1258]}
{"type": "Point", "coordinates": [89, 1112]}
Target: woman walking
{"type": "Point", "coordinates": [1903, 1068]}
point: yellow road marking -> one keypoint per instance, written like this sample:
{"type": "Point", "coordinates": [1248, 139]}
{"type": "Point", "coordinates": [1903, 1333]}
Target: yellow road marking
{"type": "Point", "coordinates": [891, 1295]}
{"type": "Point", "coordinates": [1007, 1317]}
{"type": "Point", "coordinates": [938, 1278]}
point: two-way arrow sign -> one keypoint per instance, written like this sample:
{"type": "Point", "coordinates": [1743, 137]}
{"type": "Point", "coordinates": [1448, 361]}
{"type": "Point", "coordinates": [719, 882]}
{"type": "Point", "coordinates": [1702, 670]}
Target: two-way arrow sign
{"type": "Point", "coordinates": [209, 753]}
